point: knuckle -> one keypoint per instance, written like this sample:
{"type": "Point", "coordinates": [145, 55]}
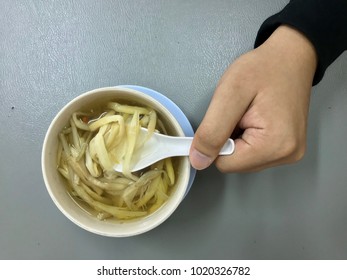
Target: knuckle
{"type": "Point", "coordinates": [299, 154]}
{"type": "Point", "coordinates": [293, 150]}
{"type": "Point", "coordinates": [234, 84]}
{"type": "Point", "coordinates": [222, 168]}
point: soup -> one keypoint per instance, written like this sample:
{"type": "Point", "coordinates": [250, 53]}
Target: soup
{"type": "Point", "coordinates": [93, 142]}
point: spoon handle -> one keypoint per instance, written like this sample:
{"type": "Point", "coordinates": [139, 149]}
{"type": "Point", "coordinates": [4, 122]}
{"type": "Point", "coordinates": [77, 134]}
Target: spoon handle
{"type": "Point", "coordinates": [228, 148]}
{"type": "Point", "coordinates": [180, 146]}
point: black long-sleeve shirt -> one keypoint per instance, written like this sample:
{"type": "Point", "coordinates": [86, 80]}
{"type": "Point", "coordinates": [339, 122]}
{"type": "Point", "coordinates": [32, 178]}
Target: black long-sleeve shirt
{"type": "Point", "coordinates": [324, 23]}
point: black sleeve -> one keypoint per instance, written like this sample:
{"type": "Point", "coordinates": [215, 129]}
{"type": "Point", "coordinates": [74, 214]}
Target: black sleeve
{"type": "Point", "coordinates": [324, 23]}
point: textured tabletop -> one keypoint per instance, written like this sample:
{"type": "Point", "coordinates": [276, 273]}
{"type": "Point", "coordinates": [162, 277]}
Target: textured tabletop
{"type": "Point", "coordinates": [52, 51]}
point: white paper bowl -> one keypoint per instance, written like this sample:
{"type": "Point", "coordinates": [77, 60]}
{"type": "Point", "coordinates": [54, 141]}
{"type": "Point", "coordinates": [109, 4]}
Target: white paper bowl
{"type": "Point", "coordinates": [55, 184]}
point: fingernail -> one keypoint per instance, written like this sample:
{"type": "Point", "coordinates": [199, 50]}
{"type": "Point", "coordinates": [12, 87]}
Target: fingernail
{"type": "Point", "coordinates": [199, 161]}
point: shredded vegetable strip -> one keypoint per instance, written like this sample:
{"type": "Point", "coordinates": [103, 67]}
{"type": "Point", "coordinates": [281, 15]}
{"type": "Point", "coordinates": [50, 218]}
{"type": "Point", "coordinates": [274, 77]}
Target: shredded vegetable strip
{"type": "Point", "coordinates": [152, 123]}
{"type": "Point", "coordinates": [126, 108]}
{"type": "Point", "coordinates": [92, 144]}
{"type": "Point", "coordinates": [101, 152]}
{"type": "Point", "coordinates": [132, 131]}
{"type": "Point", "coordinates": [91, 165]}
{"type": "Point", "coordinates": [170, 171]}
{"type": "Point", "coordinates": [105, 120]}
{"type": "Point", "coordinates": [78, 120]}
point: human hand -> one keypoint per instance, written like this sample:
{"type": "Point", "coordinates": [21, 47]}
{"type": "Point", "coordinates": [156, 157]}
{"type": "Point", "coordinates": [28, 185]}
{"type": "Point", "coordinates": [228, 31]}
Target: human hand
{"type": "Point", "coordinates": [263, 100]}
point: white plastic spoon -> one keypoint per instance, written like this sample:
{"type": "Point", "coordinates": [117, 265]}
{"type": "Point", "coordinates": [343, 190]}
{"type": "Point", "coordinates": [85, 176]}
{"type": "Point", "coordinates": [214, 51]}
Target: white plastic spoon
{"type": "Point", "coordinates": [160, 146]}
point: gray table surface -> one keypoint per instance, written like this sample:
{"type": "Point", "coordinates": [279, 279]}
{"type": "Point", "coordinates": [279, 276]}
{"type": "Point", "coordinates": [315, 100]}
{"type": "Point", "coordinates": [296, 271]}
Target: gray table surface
{"type": "Point", "coordinates": [52, 51]}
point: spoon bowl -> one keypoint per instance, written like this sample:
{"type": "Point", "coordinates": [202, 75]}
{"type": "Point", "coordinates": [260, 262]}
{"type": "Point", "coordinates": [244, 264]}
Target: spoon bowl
{"type": "Point", "coordinates": [160, 146]}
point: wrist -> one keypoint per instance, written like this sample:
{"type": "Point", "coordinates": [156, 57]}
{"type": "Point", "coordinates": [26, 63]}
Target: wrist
{"type": "Point", "coordinates": [293, 49]}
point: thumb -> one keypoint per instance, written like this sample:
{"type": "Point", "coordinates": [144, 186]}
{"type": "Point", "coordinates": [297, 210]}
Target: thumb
{"type": "Point", "coordinates": [203, 149]}
{"type": "Point", "coordinates": [223, 114]}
